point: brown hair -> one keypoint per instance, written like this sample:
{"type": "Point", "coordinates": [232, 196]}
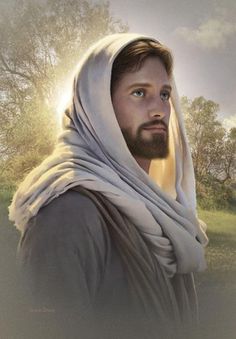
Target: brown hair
{"type": "Point", "coordinates": [132, 57]}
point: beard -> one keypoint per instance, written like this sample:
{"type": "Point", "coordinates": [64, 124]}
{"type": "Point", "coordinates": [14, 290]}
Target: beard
{"type": "Point", "coordinates": [156, 147]}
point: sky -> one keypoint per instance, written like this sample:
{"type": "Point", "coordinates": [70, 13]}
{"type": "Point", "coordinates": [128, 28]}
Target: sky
{"type": "Point", "coordinates": [202, 37]}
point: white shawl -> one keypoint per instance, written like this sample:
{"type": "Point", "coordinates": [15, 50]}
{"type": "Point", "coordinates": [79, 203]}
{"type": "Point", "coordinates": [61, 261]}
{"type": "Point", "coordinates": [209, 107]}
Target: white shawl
{"type": "Point", "coordinates": [91, 152]}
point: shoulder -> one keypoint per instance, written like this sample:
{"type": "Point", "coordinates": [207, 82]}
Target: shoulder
{"type": "Point", "coordinates": [63, 250]}
{"type": "Point", "coordinates": [72, 221]}
{"type": "Point", "coordinates": [68, 209]}
{"type": "Point", "coordinates": [69, 205]}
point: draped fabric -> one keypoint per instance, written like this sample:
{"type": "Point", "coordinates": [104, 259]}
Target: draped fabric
{"type": "Point", "coordinates": [171, 303]}
{"type": "Point", "coordinates": [91, 152]}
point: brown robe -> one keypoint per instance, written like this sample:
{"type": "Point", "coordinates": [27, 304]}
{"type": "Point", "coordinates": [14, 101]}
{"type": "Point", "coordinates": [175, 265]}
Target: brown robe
{"type": "Point", "coordinates": [77, 283]}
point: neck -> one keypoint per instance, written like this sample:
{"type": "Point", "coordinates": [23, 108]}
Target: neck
{"type": "Point", "coordinates": [143, 163]}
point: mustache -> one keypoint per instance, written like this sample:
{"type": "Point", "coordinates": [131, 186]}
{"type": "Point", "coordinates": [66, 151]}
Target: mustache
{"type": "Point", "coordinates": [154, 124]}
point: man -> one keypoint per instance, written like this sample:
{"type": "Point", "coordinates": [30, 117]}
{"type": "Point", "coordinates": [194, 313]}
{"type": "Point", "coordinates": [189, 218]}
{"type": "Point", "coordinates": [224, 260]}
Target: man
{"type": "Point", "coordinates": [108, 222]}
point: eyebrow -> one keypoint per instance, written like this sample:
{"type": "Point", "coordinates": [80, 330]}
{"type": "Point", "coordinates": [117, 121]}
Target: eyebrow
{"type": "Point", "coordinates": [146, 84]}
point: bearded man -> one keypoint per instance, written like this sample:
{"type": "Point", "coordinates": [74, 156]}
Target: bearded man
{"type": "Point", "coordinates": [108, 221]}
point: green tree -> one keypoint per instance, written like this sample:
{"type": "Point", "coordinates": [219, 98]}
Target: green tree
{"type": "Point", "coordinates": [213, 152]}
{"type": "Point", "coordinates": [229, 157]}
{"type": "Point", "coordinates": [41, 43]}
{"type": "Point", "coordinates": [205, 133]}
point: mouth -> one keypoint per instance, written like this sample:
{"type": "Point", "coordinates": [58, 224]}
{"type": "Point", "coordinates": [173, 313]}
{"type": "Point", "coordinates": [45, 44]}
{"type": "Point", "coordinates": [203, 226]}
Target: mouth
{"type": "Point", "coordinates": [157, 127]}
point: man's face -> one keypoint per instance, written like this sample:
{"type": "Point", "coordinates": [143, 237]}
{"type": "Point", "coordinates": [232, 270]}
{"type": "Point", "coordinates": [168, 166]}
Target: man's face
{"type": "Point", "coordinates": [142, 108]}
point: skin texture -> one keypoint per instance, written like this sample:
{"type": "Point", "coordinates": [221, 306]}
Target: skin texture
{"type": "Point", "coordinates": [142, 108]}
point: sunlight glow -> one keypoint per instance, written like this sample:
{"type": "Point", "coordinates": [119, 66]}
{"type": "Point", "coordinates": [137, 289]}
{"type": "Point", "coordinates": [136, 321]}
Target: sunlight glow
{"type": "Point", "coordinates": [229, 122]}
{"type": "Point", "coordinates": [63, 99]}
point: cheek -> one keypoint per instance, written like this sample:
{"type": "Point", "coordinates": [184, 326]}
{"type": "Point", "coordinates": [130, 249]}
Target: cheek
{"type": "Point", "coordinates": [121, 113]}
{"type": "Point", "coordinates": [168, 112]}
{"type": "Point", "coordinates": [124, 112]}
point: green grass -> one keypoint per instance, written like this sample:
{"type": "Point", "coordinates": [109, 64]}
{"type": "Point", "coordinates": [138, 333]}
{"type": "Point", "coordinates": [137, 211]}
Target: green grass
{"type": "Point", "coordinates": [9, 235]}
{"type": "Point", "coordinates": [221, 250]}
{"type": "Point", "coordinates": [219, 221]}
{"type": "Point", "coordinates": [216, 286]}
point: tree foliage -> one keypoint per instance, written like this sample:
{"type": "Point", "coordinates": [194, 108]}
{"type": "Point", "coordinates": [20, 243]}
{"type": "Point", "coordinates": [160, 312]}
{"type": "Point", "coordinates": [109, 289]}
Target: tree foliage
{"type": "Point", "coordinates": [41, 43]}
{"type": "Point", "coordinates": [213, 151]}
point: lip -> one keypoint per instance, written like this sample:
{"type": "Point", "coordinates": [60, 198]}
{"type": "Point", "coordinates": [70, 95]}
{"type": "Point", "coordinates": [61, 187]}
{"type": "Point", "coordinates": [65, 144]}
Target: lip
{"type": "Point", "coordinates": [156, 128]}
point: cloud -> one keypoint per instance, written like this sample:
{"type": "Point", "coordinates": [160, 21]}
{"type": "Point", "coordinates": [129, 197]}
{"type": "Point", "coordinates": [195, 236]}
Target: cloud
{"type": "Point", "coordinates": [212, 34]}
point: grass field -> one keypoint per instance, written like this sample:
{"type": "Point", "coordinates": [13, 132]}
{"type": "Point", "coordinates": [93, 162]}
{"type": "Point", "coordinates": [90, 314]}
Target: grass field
{"type": "Point", "coordinates": [221, 251]}
{"type": "Point", "coordinates": [216, 286]}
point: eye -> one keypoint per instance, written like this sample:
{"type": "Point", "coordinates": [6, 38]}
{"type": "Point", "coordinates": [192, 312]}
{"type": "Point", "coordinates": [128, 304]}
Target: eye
{"type": "Point", "coordinates": [165, 96]}
{"type": "Point", "coordinates": [139, 93]}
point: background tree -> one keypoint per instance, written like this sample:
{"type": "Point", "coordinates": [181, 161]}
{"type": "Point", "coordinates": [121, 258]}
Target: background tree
{"type": "Point", "coordinates": [213, 151]}
{"type": "Point", "coordinates": [228, 164]}
{"type": "Point", "coordinates": [41, 43]}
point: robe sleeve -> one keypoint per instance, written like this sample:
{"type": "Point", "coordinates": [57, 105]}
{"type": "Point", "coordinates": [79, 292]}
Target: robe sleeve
{"type": "Point", "coordinates": [61, 257]}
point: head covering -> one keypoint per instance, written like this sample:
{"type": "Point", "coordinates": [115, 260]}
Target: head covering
{"type": "Point", "coordinates": [91, 152]}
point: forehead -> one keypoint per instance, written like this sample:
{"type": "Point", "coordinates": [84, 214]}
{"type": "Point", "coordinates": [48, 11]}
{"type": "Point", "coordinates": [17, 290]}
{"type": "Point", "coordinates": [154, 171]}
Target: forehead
{"type": "Point", "coordinates": [152, 71]}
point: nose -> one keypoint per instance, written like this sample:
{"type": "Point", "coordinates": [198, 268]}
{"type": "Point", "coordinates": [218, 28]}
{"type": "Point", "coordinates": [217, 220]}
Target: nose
{"type": "Point", "coordinates": [159, 109]}
{"type": "Point", "coordinates": [154, 113]}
